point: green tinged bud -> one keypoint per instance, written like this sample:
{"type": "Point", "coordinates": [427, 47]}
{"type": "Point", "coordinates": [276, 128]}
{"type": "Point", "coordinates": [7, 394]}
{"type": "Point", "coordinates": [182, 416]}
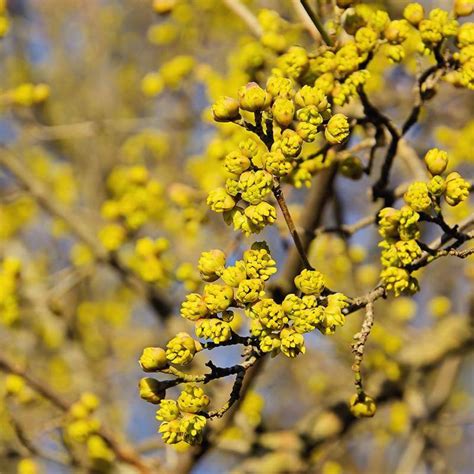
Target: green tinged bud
{"type": "Point", "coordinates": [418, 197]}
{"type": "Point", "coordinates": [192, 399]}
{"type": "Point", "coordinates": [168, 411]}
{"type": "Point", "coordinates": [233, 275]}
{"type": "Point", "coordinates": [226, 109]}
{"type": "Point", "coordinates": [362, 406]}
{"type": "Point", "coordinates": [270, 314]}
{"type": "Point", "coordinates": [153, 359]}
{"type": "Point", "coordinates": [261, 214]}
{"type": "Point", "coordinates": [290, 143]}
{"type": "Point", "coordinates": [255, 185]}
{"type": "Point", "coordinates": [436, 186]}
{"type": "Point", "coordinates": [280, 87]}
{"type": "Point", "coordinates": [236, 162]}
{"type": "Point", "coordinates": [292, 343]}
{"type": "Point", "coordinates": [308, 95]}
{"type": "Point", "coordinates": [253, 98]}
{"type": "Point", "coordinates": [181, 349]}
{"type": "Point", "coordinates": [307, 131]}
{"type": "Point", "coordinates": [171, 431]}
{"type": "Point", "coordinates": [219, 200]}
{"type": "Point", "coordinates": [277, 163]}
{"type": "Point", "coordinates": [457, 189]}
{"type": "Point", "coordinates": [310, 282]}
{"type": "Point", "coordinates": [215, 329]}
{"type": "Point", "coordinates": [249, 290]}
{"type": "Point", "coordinates": [151, 390]}
{"type": "Point", "coordinates": [192, 427]}
{"type": "Point", "coordinates": [398, 280]}
{"type": "Point", "coordinates": [337, 129]}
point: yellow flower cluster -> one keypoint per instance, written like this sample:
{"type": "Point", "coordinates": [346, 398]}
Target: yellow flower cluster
{"type": "Point", "coordinates": [294, 117]}
{"type": "Point", "coordinates": [9, 305]}
{"type": "Point", "coordinates": [243, 284]}
{"type": "Point", "coordinates": [170, 75]}
{"type": "Point", "coordinates": [399, 228]}
{"type": "Point", "coordinates": [148, 261]}
{"type": "Point", "coordinates": [82, 428]}
{"type": "Point", "coordinates": [26, 94]}
{"type": "Point", "coordinates": [136, 198]}
{"type": "Point", "coordinates": [421, 196]}
{"type": "Point", "coordinates": [275, 327]}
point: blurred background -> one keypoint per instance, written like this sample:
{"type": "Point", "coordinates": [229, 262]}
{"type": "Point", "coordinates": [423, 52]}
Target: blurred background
{"type": "Point", "coordinates": [106, 137]}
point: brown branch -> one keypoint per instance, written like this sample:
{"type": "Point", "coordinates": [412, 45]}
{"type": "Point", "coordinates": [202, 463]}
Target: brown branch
{"type": "Point", "coordinates": [278, 193]}
{"type": "Point", "coordinates": [359, 345]}
{"type": "Point", "coordinates": [314, 206]}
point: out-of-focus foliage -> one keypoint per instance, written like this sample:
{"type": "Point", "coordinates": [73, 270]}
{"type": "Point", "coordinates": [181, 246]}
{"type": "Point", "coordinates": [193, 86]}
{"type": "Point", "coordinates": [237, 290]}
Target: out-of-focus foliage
{"type": "Point", "coordinates": [322, 322]}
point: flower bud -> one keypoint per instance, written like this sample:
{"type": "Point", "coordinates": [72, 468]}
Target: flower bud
{"type": "Point", "coordinates": [253, 98]}
{"type": "Point", "coordinates": [436, 161]}
{"type": "Point", "coordinates": [220, 201]}
{"type": "Point", "coordinates": [463, 7]}
{"type": "Point", "coordinates": [396, 31]}
{"type": "Point", "coordinates": [418, 197]}
{"type": "Point", "coordinates": [283, 111]}
{"type": "Point", "coordinates": [414, 13]}
{"type": "Point", "coordinates": [236, 162]}
{"type": "Point", "coordinates": [436, 185]}
{"type": "Point", "coordinates": [151, 390]}
{"type": "Point", "coordinates": [153, 359]}
{"type": "Point", "coordinates": [211, 264]}
{"type": "Point", "coordinates": [181, 349]}
{"type": "Point", "coordinates": [362, 406]}
{"type": "Point", "coordinates": [457, 189]}
{"type": "Point", "coordinates": [226, 109]}
{"type": "Point", "coordinates": [337, 129]}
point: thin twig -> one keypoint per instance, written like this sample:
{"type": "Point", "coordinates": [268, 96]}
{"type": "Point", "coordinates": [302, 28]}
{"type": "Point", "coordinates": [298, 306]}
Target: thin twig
{"type": "Point", "coordinates": [358, 345]}
{"type": "Point", "coordinates": [246, 16]}
{"type": "Point", "coordinates": [291, 226]}
{"type": "Point", "coordinates": [317, 22]}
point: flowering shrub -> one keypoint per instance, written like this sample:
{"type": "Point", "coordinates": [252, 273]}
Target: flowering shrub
{"type": "Point", "coordinates": [337, 131]}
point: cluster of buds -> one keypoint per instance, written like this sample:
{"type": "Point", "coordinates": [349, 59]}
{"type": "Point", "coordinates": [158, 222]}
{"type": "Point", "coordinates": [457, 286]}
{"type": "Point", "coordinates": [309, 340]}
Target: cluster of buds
{"type": "Point", "coordinates": [400, 231]}
{"type": "Point", "coordinates": [464, 74]}
{"type": "Point", "coordinates": [82, 429]}
{"type": "Point", "coordinates": [148, 261]}
{"type": "Point", "coordinates": [399, 228]}
{"type": "Point", "coordinates": [274, 327]}
{"type": "Point", "coordinates": [432, 30]}
{"type": "Point", "coordinates": [135, 199]}
{"type": "Point", "coordinates": [25, 95]}
{"type": "Point", "coordinates": [9, 299]}
{"type": "Point", "coordinates": [292, 117]}
{"type": "Point", "coordinates": [423, 196]}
